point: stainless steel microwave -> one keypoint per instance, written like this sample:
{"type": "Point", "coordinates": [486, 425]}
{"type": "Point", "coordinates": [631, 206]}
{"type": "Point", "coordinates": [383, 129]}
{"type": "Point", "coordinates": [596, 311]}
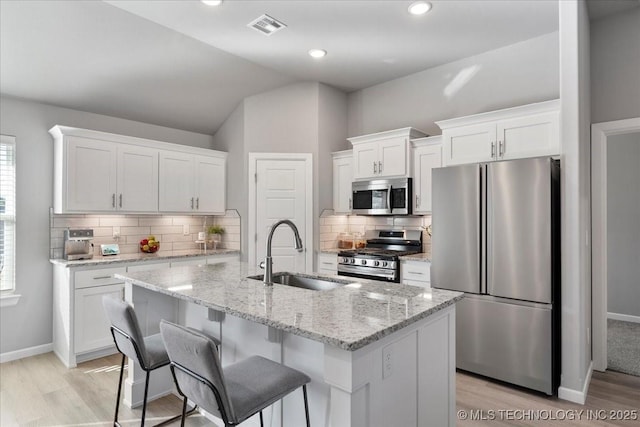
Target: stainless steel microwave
{"type": "Point", "coordinates": [382, 197]}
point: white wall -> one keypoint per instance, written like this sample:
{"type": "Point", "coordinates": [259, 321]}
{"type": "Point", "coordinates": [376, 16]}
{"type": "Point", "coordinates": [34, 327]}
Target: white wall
{"type": "Point", "coordinates": [615, 67]}
{"type": "Point", "coordinates": [299, 118]}
{"type": "Point", "coordinates": [623, 224]}
{"type": "Point", "coordinates": [576, 199]}
{"type": "Point", "coordinates": [518, 74]}
{"type": "Point", "coordinates": [28, 324]}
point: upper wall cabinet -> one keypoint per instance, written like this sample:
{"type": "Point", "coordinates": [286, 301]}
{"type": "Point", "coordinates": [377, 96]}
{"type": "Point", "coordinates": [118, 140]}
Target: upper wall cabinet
{"type": "Point", "coordinates": [192, 183]}
{"type": "Point", "coordinates": [384, 154]}
{"type": "Point", "coordinates": [427, 154]}
{"type": "Point", "coordinates": [105, 173]}
{"type": "Point", "coordinates": [526, 131]}
{"type": "Point", "coordinates": [342, 178]}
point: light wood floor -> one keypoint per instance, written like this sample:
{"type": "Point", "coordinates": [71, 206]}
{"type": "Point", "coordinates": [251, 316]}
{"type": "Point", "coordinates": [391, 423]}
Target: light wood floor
{"type": "Point", "coordinates": [40, 391]}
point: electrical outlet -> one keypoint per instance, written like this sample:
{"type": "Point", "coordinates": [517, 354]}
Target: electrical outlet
{"type": "Point", "coordinates": [116, 235]}
{"type": "Point", "coordinates": [387, 361]}
{"type": "Point", "coordinates": [185, 230]}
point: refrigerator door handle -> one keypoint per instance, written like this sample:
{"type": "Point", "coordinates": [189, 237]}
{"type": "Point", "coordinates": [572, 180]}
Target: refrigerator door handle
{"type": "Point", "coordinates": [482, 230]}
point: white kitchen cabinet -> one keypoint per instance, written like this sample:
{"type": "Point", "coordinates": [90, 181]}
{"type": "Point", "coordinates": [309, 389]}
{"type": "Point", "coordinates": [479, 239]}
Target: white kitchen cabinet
{"type": "Point", "coordinates": [328, 263]}
{"type": "Point", "coordinates": [91, 329]}
{"type": "Point", "coordinates": [102, 172]}
{"type": "Point", "coordinates": [342, 179]}
{"type": "Point", "coordinates": [416, 273]}
{"type": "Point", "coordinates": [192, 183]}
{"type": "Point", "coordinates": [427, 154]}
{"type": "Point", "coordinates": [384, 154]}
{"type": "Point", "coordinates": [520, 132]}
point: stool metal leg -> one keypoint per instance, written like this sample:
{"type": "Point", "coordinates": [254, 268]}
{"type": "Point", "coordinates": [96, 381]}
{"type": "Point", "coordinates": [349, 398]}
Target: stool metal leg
{"type": "Point", "coordinates": [115, 417]}
{"type": "Point", "coordinates": [144, 402]}
{"type": "Point", "coordinates": [306, 404]}
{"type": "Point", "coordinates": [261, 422]}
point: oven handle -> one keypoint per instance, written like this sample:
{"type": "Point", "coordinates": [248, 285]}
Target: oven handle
{"type": "Point", "coordinates": [371, 273]}
{"type": "Point", "coordinates": [389, 199]}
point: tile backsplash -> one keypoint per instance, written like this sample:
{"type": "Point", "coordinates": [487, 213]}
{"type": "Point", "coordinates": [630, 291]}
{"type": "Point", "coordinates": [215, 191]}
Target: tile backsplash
{"type": "Point", "coordinates": [169, 230]}
{"type": "Point", "coordinates": [332, 225]}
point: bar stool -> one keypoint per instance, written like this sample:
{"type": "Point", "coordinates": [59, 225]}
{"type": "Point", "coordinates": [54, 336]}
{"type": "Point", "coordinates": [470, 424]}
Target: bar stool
{"type": "Point", "coordinates": [149, 352]}
{"type": "Point", "coordinates": [236, 392]}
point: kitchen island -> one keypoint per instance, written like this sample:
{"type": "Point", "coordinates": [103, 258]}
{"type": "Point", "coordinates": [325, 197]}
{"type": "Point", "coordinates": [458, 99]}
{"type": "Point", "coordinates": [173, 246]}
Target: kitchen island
{"type": "Point", "coordinates": [378, 354]}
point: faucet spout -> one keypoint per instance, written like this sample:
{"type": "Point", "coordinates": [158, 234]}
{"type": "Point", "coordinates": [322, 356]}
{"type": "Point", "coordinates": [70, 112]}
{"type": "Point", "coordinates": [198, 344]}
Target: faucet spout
{"type": "Point", "coordinates": [268, 261]}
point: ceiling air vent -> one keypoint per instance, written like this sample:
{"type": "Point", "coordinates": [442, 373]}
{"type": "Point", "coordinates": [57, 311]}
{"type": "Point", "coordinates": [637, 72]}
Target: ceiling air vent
{"type": "Point", "coordinates": [266, 25]}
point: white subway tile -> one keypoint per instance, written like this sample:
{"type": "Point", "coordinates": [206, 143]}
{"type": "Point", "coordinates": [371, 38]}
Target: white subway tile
{"type": "Point", "coordinates": [184, 245]}
{"type": "Point", "coordinates": [177, 238]}
{"type": "Point", "coordinates": [188, 220]}
{"type": "Point", "coordinates": [339, 228]}
{"type": "Point", "coordinates": [118, 220]}
{"type": "Point", "coordinates": [167, 229]}
{"type": "Point", "coordinates": [155, 220]}
{"type": "Point", "coordinates": [75, 222]}
{"type": "Point", "coordinates": [103, 231]}
{"type": "Point", "coordinates": [129, 231]}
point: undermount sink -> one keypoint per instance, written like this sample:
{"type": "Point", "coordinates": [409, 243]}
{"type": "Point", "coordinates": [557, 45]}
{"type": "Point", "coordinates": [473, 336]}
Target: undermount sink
{"type": "Point", "coordinates": [303, 281]}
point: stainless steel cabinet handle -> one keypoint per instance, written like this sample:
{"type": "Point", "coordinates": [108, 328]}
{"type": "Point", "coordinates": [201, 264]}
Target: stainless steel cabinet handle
{"type": "Point", "coordinates": [101, 277]}
{"type": "Point", "coordinates": [113, 200]}
{"type": "Point", "coordinates": [198, 203]}
{"type": "Point", "coordinates": [350, 204]}
{"type": "Point", "coordinates": [379, 167]}
{"type": "Point", "coordinates": [120, 202]}
{"type": "Point", "coordinates": [417, 201]}
{"type": "Point", "coordinates": [416, 272]}
{"type": "Point", "coordinates": [327, 263]}
{"type": "Point", "coordinates": [375, 167]}
{"type": "Point", "coordinates": [493, 149]}
{"type": "Point", "coordinates": [501, 148]}
{"type": "Point", "coordinates": [192, 203]}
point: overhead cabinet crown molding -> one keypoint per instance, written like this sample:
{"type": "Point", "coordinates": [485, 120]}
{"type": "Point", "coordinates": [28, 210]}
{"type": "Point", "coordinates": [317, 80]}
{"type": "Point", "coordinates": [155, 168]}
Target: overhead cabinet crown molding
{"type": "Point", "coordinates": [108, 173]}
{"type": "Point", "coordinates": [526, 131]}
{"type": "Point", "coordinates": [383, 154]}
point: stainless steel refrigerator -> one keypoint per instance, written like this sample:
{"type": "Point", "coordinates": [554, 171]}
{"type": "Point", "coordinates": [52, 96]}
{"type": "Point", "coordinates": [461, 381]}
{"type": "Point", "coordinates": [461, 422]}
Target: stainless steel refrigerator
{"type": "Point", "coordinates": [496, 237]}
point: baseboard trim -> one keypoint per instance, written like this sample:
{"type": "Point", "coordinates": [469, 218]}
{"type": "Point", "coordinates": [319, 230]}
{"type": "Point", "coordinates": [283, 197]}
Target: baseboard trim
{"type": "Point", "coordinates": [577, 396]}
{"type": "Point", "coordinates": [26, 352]}
{"type": "Point", "coordinates": [623, 317]}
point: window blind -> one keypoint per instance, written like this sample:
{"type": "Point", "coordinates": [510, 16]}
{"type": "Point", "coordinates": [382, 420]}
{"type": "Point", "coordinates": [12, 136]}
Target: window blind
{"type": "Point", "coordinates": [7, 212]}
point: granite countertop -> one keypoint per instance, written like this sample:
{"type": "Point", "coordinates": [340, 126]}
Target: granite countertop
{"type": "Point", "coordinates": [348, 317]}
{"type": "Point", "coordinates": [417, 257]}
{"type": "Point", "coordinates": [140, 256]}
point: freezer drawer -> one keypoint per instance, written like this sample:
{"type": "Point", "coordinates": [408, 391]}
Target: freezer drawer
{"type": "Point", "coordinates": [505, 341]}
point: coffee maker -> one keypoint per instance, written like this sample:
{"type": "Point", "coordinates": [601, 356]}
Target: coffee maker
{"type": "Point", "coordinates": [78, 245]}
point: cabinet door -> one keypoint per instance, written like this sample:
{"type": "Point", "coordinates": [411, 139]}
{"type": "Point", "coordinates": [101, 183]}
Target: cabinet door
{"type": "Point", "coordinates": [176, 192]}
{"type": "Point", "coordinates": [137, 179]}
{"type": "Point", "coordinates": [392, 157]}
{"type": "Point", "coordinates": [365, 160]}
{"type": "Point", "coordinates": [210, 184]}
{"type": "Point", "coordinates": [342, 178]}
{"type": "Point", "coordinates": [91, 327]}
{"type": "Point", "coordinates": [328, 263]}
{"type": "Point", "coordinates": [91, 175]}
{"type": "Point", "coordinates": [469, 144]}
{"type": "Point", "coordinates": [425, 159]}
{"type": "Point", "coordinates": [529, 136]}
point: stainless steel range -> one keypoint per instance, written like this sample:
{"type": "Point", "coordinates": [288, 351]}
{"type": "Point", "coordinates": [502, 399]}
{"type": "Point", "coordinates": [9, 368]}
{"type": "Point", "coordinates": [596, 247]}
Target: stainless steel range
{"type": "Point", "coordinates": [380, 259]}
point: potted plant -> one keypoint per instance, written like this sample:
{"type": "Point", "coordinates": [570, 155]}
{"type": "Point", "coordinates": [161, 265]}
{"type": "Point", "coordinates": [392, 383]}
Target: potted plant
{"type": "Point", "coordinates": [215, 231]}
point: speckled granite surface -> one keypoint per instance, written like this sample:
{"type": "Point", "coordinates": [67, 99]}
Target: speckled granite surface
{"type": "Point", "coordinates": [349, 317]}
{"type": "Point", "coordinates": [417, 257]}
{"type": "Point", "coordinates": [158, 256]}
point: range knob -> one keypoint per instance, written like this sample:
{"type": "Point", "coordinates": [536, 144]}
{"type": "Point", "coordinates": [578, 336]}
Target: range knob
{"type": "Point", "coordinates": [385, 263]}
{"type": "Point", "coordinates": [363, 262]}
{"type": "Point", "coordinates": [376, 263]}
{"type": "Point", "coordinates": [352, 261]}
{"type": "Point", "coordinates": [345, 260]}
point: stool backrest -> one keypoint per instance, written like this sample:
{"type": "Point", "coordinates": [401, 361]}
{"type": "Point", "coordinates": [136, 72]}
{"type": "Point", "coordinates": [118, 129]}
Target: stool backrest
{"type": "Point", "coordinates": [196, 368]}
{"type": "Point", "coordinates": [123, 320]}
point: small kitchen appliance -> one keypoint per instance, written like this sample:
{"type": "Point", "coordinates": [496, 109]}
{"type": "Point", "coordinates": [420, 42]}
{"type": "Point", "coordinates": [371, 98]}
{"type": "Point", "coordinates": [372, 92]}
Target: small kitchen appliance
{"type": "Point", "coordinates": [380, 259]}
{"type": "Point", "coordinates": [78, 244]}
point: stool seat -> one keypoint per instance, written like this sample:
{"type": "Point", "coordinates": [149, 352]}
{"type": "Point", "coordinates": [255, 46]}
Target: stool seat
{"type": "Point", "coordinates": [156, 352]}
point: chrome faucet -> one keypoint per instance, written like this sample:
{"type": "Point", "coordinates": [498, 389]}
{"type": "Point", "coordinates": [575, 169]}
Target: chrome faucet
{"type": "Point", "coordinates": [267, 264]}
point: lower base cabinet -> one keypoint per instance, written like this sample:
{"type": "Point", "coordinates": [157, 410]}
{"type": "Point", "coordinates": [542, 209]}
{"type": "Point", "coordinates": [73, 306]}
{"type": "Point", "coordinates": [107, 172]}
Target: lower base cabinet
{"type": "Point", "coordinates": [81, 330]}
{"type": "Point", "coordinates": [416, 273]}
{"type": "Point", "coordinates": [328, 264]}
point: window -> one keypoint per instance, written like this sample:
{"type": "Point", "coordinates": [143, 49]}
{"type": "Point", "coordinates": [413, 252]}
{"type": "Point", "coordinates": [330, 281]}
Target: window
{"type": "Point", "coordinates": [7, 212]}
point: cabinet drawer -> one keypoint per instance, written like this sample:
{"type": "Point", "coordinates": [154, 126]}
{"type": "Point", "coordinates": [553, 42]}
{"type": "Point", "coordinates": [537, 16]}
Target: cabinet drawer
{"type": "Point", "coordinates": [148, 266]}
{"type": "Point", "coordinates": [416, 271]}
{"type": "Point", "coordinates": [328, 263]}
{"type": "Point", "coordinates": [101, 277]}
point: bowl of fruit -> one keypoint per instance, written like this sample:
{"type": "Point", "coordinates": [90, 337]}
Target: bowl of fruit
{"type": "Point", "coordinates": [149, 245]}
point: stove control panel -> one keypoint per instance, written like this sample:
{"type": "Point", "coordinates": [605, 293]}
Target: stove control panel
{"type": "Point", "coordinates": [367, 262]}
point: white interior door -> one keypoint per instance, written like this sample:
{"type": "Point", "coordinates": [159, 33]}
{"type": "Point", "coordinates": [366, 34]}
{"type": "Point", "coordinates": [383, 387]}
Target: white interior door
{"type": "Point", "coordinates": [281, 194]}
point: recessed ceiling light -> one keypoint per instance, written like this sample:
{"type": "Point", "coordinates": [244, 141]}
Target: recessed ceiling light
{"type": "Point", "coordinates": [212, 2]}
{"type": "Point", "coordinates": [419, 7]}
{"type": "Point", "coordinates": [317, 53]}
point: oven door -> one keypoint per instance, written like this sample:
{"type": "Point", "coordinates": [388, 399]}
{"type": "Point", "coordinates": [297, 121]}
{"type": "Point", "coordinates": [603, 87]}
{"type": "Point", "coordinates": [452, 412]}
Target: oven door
{"type": "Point", "coordinates": [370, 273]}
{"type": "Point", "coordinates": [382, 197]}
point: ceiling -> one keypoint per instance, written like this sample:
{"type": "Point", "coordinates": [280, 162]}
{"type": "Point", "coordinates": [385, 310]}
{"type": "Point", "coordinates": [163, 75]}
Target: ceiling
{"type": "Point", "coordinates": [186, 65]}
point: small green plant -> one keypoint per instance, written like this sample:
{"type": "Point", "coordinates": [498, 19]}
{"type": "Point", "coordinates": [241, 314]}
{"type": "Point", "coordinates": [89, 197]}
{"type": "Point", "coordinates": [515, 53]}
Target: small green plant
{"type": "Point", "coordinates": [215, 229]}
